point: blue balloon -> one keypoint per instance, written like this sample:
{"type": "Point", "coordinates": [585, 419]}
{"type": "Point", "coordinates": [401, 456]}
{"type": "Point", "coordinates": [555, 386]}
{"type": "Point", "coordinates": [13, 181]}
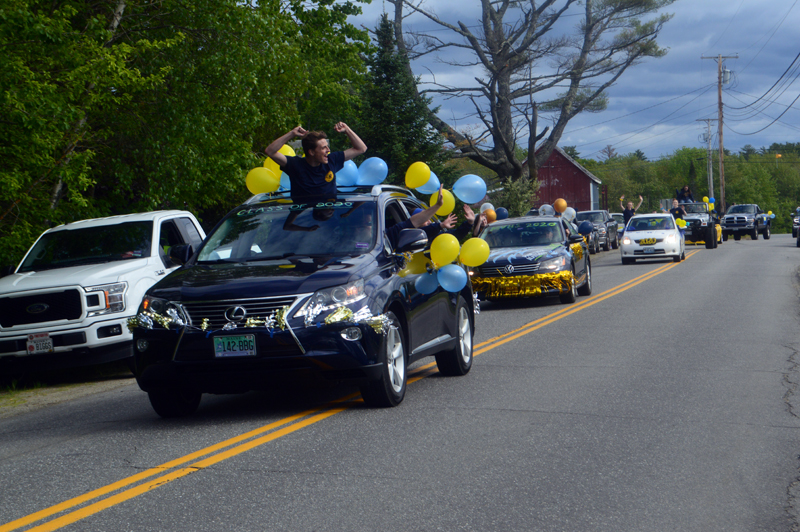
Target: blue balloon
{"type": "Point", "coordinates": [586, 228]}
{"type": "Point", "coordinates": [711, 200]}
{"type": "Point", "coordinates": [431, 186]}
{"type": "Point", "coordinates": [502, 213]}
{"type": "Point", "coordinates": [286, 184]}
{"type": "Point", "coordinates": [452, 277]}
{"type": "Point", "coordinates": [348, 175]}
{"type": "Point", "coordinates": [372, 172]}
{"type": "Point", "coordinates": [772, 216]}
{"type": "Point", "coordinates": [427, 283]}
{"type": "Point", "coordinates": [470, 188]}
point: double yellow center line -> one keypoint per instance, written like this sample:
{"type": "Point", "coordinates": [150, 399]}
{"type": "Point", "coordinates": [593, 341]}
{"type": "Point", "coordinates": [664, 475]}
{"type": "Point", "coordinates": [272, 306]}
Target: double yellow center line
{"type": "Point", "coordinates": [165, 473]}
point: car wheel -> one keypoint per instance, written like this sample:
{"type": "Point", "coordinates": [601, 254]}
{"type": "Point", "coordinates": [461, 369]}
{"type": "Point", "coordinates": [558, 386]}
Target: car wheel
{"type": "Point", "coordinates": [586, 289]}
{"type": "Point", "coordinates": [678, 258]}
{"type": "Point", "coordinates": [572, 295]}
{"type": "Point", "coordinates": [606, 245]}
{"type": "Point", "coordinates": [615, 243]}
{"type": "Point", "coordinates": [593, 247]}
{"type": "Point", "coordinates": [174, 402]}
{"type": "Point", "coordinates": [724, 237]}
{"type": "Point", "coordinates": [458, 361]}
{"type": "Point", "coordinates": [767, 233]}
{"type": "Point", "coordinates": [710, 238]}
{"type": "Point", "coordinates": [390, 388]}
{"type": "Point", "coordinates": [798, 241]}
{"type": "Point", "coordinates": [754, 234]}
{"type": "Point", "coordinates": [737, 236]}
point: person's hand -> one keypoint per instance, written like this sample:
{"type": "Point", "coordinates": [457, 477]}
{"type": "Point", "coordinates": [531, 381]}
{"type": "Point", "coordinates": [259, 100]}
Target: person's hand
{"type": "Point", "coordinates": [299, 132]}
{"type": "Point", "coordinates": [621, 198]}
{"type": "Point", "coordinates": [640, 197]}
{"type": "Point", "coordinates": [449, 222]}
{"type": "Point", "coordinates": [440, 199]}
{"type": "Point", "coordinates": [340, 127]}
{"type": "Point", "coordinates": [312, 228]}
{"type": "Point", "coordinates": [470, 216]}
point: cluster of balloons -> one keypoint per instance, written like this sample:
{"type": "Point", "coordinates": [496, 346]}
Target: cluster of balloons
{"type": "Point", "coordinates": [444, 251]}
{"type": "Point", "coordinates": [269, 178]}
{"type": "Point", "coordinates": [559, 206]}
{"type": "Point", "coordinates": [492, 214]}
{"type": "Point", "coordinates": [371, 172]}
{"type": "Point", "coordinates": [681, 222]}
{"type": "Point", "coordinates": [469, 188]}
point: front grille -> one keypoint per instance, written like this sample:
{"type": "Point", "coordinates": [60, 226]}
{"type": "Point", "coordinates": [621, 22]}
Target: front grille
{"type": "Point", "coordinates": [40, 308]}
{"type": "Point", "coordinates": [214, 311]}
{"type": "Point", "coordinates": [735, 220]}
{"type": "Point", "coordinates": [500, 271]}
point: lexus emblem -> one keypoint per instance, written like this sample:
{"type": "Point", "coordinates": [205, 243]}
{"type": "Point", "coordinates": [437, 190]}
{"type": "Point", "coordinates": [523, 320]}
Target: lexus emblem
{"type": "Point", "coordinates": [509, 269]}
{"type": "Point", "coordinates": [37, 308]}
{"type": "Point", "coordinates": [235, 314]}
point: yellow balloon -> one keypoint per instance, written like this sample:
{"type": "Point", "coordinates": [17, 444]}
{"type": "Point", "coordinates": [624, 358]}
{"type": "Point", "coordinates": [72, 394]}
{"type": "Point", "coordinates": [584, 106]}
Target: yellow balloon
{"type": "Point", "coordinates": [560, 205]}
{"type": "Point", "coordinates": [287, 151]}
{"type": "Point", "coordinates": [449, 202]}
{"type": "Point", "coordinates": [769, 212]}
{"type": "Point", "coordinates": [272, 166]}
{"type": "Point", "coordinates": [260, 180]}
{"type": "Point", "coordinates": [444, 249]}
{"type": "Point", "coordinates": [710, 207]}
{"type": "Point", "coordinates": [705, 199]}
{"type": "Point", "coordinates": [680, 222]}
{"type": "Point", "coordinates": [474, 252]}
{"type": "Point", "coordinates": [417, 175]}
{"type": "Point", "coordinates": [417, 265]}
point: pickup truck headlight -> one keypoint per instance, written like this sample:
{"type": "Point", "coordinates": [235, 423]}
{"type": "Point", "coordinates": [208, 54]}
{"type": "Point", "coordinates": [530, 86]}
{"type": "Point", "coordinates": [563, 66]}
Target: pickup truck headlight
{"type": "Point", "coordinates": [331, 298]}
{"type": "Point", "coordinates": [601, 230]}
{"type": "Point", "coordinates": [552, 265]}
{"type": "Point", "coordinates": [111, 298]}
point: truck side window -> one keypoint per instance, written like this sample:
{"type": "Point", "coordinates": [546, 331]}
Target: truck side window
{"type": "Point", "coordinates": [168, 236]}
{"type": "Point", "coordinates": [190, 231]}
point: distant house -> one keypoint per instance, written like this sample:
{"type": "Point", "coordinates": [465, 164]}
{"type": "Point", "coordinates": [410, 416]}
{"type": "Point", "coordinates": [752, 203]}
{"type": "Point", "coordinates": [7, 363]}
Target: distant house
{"type": "Point", "coordinates": [561, 176]}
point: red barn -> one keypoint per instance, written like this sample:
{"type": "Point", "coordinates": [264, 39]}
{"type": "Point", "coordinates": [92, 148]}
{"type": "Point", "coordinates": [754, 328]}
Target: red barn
{"type": "Point", "coordinates": [562, 177]}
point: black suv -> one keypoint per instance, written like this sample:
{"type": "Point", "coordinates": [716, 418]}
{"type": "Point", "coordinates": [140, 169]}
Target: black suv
{"type": "Point", "coordinates": [606, 227]}
{"type": "Point", "coordinates": [282, 289]}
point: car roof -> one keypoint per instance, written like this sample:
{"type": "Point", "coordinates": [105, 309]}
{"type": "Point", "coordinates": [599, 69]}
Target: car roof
{"type": "Point", "coordinates": [524, 219]}
{"type": "Point", "coordinates": [118, 219]}
{"type": "Point", "coordinates": [356, 193]}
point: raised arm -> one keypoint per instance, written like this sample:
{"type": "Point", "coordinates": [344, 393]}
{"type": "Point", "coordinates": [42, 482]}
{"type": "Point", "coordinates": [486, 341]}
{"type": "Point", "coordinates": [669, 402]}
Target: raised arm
{"type": "Point", "coordinates": [421, 217]}
{"type": "Point", "coordinates": [621, 199]}
{"type": "Point", "coordinates": [640, 202]}
{"type": "Point", "coordinates": [272, 150]}
{"type": "Point", "coordinates": [357, 145]}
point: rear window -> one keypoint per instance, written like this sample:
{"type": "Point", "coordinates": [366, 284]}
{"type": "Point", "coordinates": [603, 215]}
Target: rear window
{"type": "Point", "coordinates": [90, 245]}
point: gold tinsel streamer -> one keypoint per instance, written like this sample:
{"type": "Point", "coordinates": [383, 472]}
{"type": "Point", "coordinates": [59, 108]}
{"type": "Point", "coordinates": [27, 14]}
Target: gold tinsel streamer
{"type": "Point", "coordinates": [204, 324]}
{"type": "Point", "coordinates": [523, 285]}
{"type": "Point", "coordinates": [577, 250]}
{"type": "Point", "coordinates": [280, 318]}
{"type": "Point", "coordinates": [340, 314]}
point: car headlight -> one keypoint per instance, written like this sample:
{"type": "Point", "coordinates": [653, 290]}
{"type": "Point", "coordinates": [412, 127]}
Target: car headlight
{"type": "Point", "coordinates": [553, 264]}
{"type": "Point", "coordinates": [331, 298]}
{"type": "Point", "coordinates": [626, 240]}
{"type": "Point", "coordinates": [162, 307]}
{"type": "Point", "coordinates": [111, 298]}
{"type": "Point", "coordinates": [601, 230]}
{"type": "Point", "coordinates": [670, 238]}
{"type": "Point", "coordinates": [796, 220]}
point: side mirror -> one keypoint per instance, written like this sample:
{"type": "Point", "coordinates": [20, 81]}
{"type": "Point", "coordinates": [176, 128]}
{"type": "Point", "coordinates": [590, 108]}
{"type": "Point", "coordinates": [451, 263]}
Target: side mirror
{"type": "Point", "coordinates": [411, 241]}
{"type": "Point", "coordinates": [181, 254]}
{"type": "Point", "coordinates": [574, 239]}
{"type": "Point", "coordinates": [7, 270]}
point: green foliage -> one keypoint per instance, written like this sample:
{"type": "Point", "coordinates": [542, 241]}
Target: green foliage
{"type": "Point", "coordinates": [394, 119]}
{"type": "Point", "coordinates": [167, 106]}
{"type": "Point", "coordinates": [518, 196]}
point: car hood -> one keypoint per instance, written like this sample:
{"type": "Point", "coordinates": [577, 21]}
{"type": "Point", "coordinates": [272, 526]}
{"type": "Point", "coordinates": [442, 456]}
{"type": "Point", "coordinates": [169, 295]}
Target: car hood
{"type": "Point", "coordinates": [655, 233]}
{"type": "Point", "coordinates": [524, 255]}
{"type": "Point", "coordinates": [89, 275]}
{"type": "Point", "coordinates": [210, 282]}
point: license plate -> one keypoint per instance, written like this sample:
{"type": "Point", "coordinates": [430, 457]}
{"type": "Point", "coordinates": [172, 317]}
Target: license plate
{"type": "Point", "coordinates": [235, 346]}
{"type": "Point", "coordinates": [649, 250]}
{"type": "Point", "coordinates": [39, 343]}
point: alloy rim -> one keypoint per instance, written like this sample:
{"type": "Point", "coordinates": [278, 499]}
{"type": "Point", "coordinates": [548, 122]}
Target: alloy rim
{"type": "Point", "coordinates": [464, 337]}
{"type": "Point", "coordinates": [396, 362]}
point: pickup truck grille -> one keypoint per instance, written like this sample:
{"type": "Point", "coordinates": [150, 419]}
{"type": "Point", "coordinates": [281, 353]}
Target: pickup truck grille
{"type": "Point", "coordinates": [735, 220]}
{"type": "Point", "coordinates": [40, 308]}
{"type": "Point", "coordinates": [214, 311]}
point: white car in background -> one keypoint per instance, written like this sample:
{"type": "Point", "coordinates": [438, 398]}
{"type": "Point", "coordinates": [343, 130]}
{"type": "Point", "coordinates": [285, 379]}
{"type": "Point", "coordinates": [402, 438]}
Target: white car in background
{"type": "Point", "coordinates": [652, 236]}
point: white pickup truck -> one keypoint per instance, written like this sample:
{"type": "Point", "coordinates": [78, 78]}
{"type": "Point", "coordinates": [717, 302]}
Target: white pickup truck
{"type": "Point", "coordinates": [67, 302]}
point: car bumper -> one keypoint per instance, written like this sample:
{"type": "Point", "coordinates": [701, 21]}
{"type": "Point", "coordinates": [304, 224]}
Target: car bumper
{"type": "Point", "coordinates": [186, 358]}
{"type": "Point", "coordinates": [658, 250]}
{"type": "Point", "coordinates": [518, 286]}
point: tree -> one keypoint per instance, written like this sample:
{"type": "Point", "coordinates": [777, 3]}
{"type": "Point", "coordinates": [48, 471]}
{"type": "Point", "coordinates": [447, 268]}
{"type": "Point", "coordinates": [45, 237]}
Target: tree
{"type": "Point", "coordinates": [571, 151]}
{"type": "Point", "coordinates": [522, 60]}
{"type": "Point", "coordinates": [608, 152]}
{"type": "Point", "coordinates": [393, 117]}
{"type": "Point", "coordinates": [639, 154]}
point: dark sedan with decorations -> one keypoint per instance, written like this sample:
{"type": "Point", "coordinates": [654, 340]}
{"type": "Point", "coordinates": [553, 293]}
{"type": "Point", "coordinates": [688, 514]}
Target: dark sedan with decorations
{"type": "Point", "coordinates": [534, 257]}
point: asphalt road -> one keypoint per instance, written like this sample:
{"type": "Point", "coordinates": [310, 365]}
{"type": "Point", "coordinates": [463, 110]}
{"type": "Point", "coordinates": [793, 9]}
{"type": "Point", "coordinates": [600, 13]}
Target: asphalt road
{"type": "Point", "coordinates": [665, 401]}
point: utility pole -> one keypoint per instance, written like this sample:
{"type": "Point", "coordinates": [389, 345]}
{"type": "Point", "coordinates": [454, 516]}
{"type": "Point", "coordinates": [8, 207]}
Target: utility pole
{"type": "Point", "coordinates": [707, 139]}
{"type": "Point", "coordinates": [719, 59]}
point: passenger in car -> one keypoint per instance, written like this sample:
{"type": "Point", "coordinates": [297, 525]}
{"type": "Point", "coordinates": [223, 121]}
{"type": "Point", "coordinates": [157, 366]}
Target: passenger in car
{"type": "Point", "coordinates": [416, 220]}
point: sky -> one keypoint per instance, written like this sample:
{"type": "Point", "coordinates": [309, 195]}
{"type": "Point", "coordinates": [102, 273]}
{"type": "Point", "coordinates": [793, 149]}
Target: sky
{"type": "Point", "coordinates": [656, 105]}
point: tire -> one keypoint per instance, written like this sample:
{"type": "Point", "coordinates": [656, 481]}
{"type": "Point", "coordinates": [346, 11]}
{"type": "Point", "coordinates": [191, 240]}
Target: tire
{"type": "Point", "coordinates": [710, 238]}
{"type": "Point", "coordinates": [754, 234]}
{"type": "Point", "coordinates": [174, 402]}
{"type": "Point", "coordinates": [572, 295]}
{"type": "Point", "coordinates": [767, 233]}
{"type": "Point", "coordinates": [586, 289]}
{"type": "Point", "coordinates": [724, 237]}
{"type": "Point", "coordinates": [626, 260]}
{"type": "Point", "coordinates": [615, 244]}
{"type": "Point", "coordinates": [390, 388]}
{"type": "Point", "coordinates": [679, 258]}
{"type": "Point", "coordinates": [593, 247]}
{"type": "Point", "coordinates": [458, 361]}
{"type": "Point", "coordinates": [737, 237]}
{"type": "Point", "coordinates": [606, 245]}
{"type": "Point", "coordinates": [798, 241]}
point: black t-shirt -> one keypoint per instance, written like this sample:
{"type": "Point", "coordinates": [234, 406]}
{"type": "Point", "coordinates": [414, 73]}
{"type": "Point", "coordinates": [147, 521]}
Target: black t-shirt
{"type": "Point", "coordinates": [627, 214]}
{"type": "Point", "coordinates": [313, 181]}
{"type": "Point", "coordinates": [677, 213]}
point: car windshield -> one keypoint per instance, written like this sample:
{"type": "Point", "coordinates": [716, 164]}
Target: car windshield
{"type": "Point", "coordinates": [281, 230]}
{"type": "Point", "coordinates": [659, 223]}
{"type": "Point", "coordinates": [90, 245]}
{"type": "Point", "coordinates": [695, 208]}
{"type": "Point", "coordinates": [594, 217]}
{"type": "Point", "coordinates": [742, 209]}
{"type": "Point", "coordinates": [523, 234]}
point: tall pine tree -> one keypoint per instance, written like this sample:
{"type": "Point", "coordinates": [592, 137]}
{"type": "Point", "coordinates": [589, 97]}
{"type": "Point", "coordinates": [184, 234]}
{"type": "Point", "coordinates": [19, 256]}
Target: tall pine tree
{"type": "Point", "coordinates": [394, 121]}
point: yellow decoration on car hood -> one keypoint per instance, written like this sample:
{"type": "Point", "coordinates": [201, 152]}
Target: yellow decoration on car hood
{"type": "Point", "coordinates": [524, 285]}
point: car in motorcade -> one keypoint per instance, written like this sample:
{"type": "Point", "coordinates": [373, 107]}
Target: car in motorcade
{"type": "Point", "coordinates": [301, 291]}
{"type": "Point", "coordinates": [796, 224]}
{"type": "Point", "coordinates": [534, 211]}
{"type": "Point", "coordinates": [533, 257]}
{"type": "Point", "coordinates": [652, 236]}
{"type": "Point", "coordinates": [620, 218]}
{"type": "Point", "coordinates": [67, 302]}
{"type": "Point", "coordinates": [593, 240]}
{"type": "Point", "coordinates": [606, 227]}
{"type": "Point", "coordinates": [745, 219]}
{"type": "Point", "coordinates": [701, 225]}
